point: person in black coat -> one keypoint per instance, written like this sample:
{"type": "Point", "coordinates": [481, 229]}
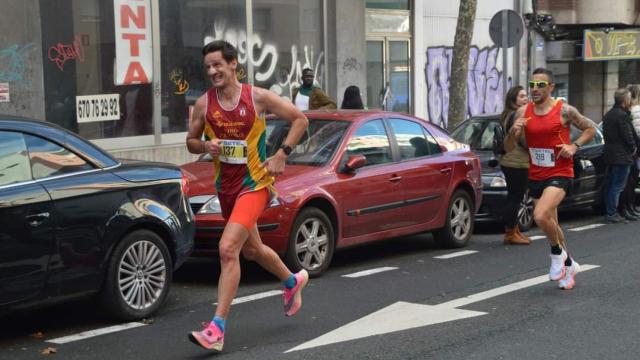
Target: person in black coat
{"type": "Point", "coordinates": [619, 149]}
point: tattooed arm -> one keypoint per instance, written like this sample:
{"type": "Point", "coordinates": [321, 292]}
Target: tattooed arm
{"type": "Point", "coordinates": [571, 116]}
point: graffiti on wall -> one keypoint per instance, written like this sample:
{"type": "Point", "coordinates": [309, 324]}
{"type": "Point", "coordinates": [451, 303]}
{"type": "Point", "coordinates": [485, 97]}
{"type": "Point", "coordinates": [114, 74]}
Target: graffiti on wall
{"type": "Point", "coordinates": [266, 61]}
{"type": "Point", "coordinates": [177, 78]}
{"type": "Point", "coordinates": [484, 82]}
{"type": "Point", "coordinates": [61, 53]}
{"type": "Point", "coordinates": [13, 62]}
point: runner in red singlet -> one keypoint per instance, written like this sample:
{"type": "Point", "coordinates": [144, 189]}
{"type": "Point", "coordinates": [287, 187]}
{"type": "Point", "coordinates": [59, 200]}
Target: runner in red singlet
{"type": "Point", "coordinates": [545, 125]}
{"type": "Point", "coordinates": [232, 117]}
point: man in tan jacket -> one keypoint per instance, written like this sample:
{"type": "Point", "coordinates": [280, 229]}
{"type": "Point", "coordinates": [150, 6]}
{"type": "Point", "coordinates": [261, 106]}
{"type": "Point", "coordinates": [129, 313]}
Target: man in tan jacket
{"type": "Point", "coordinates": [310, 97]}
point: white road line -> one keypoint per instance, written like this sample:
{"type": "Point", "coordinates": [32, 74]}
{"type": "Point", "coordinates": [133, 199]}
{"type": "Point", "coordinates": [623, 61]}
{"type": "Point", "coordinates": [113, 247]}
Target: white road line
{"type": "Point", "coordinates": [369, 272]}
{"type": "Point", "coordinates": [97, 332]}
{"type": "Point", "coordinates": [586, 227]}
{"type": "Point", "coordinates": [537, 237]}
{"type": "Point", "coordinates": [456, 254]}
{"type": "Point", "coordinates": [257, 296]}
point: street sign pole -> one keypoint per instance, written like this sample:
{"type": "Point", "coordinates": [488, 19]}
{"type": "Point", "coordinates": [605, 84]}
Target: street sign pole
{"type": "Point", "coordinates": [505, 40]}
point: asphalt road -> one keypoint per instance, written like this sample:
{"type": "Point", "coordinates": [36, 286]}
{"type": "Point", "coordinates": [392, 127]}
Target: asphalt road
{"type": "Point", "coordinates": [493, 303]}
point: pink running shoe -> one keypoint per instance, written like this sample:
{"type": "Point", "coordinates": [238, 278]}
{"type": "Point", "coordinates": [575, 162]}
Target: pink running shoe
{"type": "Point", "coordinates": [568, 281]}
{"type": "Point", "coordinates": [211, 337]}
{"type": "Point", "coordinates": [293, 296]}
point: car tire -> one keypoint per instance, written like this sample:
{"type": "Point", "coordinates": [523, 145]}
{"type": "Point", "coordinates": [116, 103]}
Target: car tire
{"type": "Point", "coordinates": [136, 287]}
{"type": "Point", "coordinates": [311, 242]}
{"type": "Point", "coordinates": [459, 221]}
{"type": "Point", "coordinates": [525, 212]}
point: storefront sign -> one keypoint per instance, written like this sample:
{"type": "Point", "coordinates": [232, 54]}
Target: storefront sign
{"type": "Point", "coordinates": [133, 42]}
{"type": "Point", "coordinates": [4, 92]}
{"type": "Point", "coordinates": [611, 45]}
{"type": "Point", "coordinates": [98, 107]}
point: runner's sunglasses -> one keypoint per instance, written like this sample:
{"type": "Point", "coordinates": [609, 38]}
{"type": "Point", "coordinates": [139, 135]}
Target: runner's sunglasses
{"type": "Point", "coordinates": [541, 84]}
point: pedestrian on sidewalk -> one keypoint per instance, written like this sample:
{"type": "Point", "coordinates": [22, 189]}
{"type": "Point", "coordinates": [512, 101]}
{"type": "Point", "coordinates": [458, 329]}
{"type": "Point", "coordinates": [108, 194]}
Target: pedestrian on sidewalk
{"type": "Point", "coordinates": [545, 124]}
{"type": "Point", "coordinates": [619, 150]}
{"type": "Point", "coordinates": [310, 97]}
{"type": "Point", "coordinates": [515, 166]}
{"type": "Point", "coordinates": [352, 99]}
{"type": "Point", "coordinates": [231, 116]}
{"type": "Point", "coordinates": [628, 195]}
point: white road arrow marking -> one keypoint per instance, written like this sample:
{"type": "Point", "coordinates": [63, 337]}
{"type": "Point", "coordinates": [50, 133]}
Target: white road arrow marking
{"type": "Point", "coordinates": [403, 315]}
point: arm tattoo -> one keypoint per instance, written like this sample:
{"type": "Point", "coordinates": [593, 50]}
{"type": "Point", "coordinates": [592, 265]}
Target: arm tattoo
{"type": "Point", "coordinates": [573, 116]}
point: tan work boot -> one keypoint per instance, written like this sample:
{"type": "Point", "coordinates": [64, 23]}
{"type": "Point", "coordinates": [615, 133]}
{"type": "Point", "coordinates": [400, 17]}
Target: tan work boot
{"type": "Point", "coordinates": [522, 236]}
{"type": "Point", "coordinates": [511, 238]}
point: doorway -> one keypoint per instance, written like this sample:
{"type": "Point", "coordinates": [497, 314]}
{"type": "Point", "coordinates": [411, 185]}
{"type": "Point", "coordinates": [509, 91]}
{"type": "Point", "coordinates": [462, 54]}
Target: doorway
{"type": "Point", "coordinates": [389, 74]}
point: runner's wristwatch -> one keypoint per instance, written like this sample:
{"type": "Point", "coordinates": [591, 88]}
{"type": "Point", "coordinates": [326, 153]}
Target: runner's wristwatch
{"type": "Point", "coordinates": [577, 145]}
{"type": "Point", "coordinates": [286, 149]}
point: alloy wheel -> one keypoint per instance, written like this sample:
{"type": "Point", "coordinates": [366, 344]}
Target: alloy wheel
{"type": "Point", "coordinates": [311, 243]}
{"type": "Point", "coordinates": [460, 216]}
{"type": "Point", "coordinates": [142, 274]}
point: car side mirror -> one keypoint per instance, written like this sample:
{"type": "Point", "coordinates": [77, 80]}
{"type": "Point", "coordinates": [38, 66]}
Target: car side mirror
{"type": "Point", "coordinates": [355, 162]}
{"type": "Point", "coordinates": [493, 163]}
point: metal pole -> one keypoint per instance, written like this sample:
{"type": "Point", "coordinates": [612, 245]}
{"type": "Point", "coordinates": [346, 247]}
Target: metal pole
{"type": "Point", "coordinates": [505, 34]}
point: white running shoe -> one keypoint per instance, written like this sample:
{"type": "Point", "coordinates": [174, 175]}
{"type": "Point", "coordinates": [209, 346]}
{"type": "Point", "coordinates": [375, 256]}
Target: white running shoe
{"type": "Point", "coordinates": [568, 281]}
{"type": "Point", "coordinates": [557, 269]}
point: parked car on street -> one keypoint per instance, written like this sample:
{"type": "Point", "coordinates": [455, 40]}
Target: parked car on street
{"type": "Point", "coordinates": [589, 169]}
{"type": "Point", "coordinates": [74, 221]}
{"type": "Point", "coordinates": [355, 177]}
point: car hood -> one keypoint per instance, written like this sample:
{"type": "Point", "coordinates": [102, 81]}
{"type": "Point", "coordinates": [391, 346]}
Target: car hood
{"type": "Point", "coordinates": [140, 171]}
{"type": "Point", "coordinates": [201, 177]}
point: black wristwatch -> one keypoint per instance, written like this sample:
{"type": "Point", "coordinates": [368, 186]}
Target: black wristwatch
{"type": "Point", "coordinates": [286, 149]}
{"type": "Point", "coordinates": [577, 145]}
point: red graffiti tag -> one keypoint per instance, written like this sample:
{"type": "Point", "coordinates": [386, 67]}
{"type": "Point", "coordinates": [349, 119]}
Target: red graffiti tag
{"type": "Point", "coordinates": [61, 53]}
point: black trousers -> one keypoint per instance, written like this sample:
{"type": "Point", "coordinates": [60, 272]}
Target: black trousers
{"type": "Point", "coordinates": [628, 195]}
{"type": "Point", "coordinates": [517, 181]}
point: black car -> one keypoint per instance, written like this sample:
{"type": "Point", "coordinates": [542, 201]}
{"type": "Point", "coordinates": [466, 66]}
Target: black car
{"type": "Point", "coordinates": [74, 222]}
{"type": "Point", "coordinates": [589, 170]}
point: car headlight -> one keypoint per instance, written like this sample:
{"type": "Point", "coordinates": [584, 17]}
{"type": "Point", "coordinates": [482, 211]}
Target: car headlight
{"type": "Point", "coordinates": [212, 206]}
{"type": "Point", "coordinates": [494, 182]}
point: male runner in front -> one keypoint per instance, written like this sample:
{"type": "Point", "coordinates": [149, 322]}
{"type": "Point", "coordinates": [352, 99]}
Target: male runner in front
{"type": "Point", "coordinates": [545, 124]}
{"type": "Point", "coordinates": [232, 117]}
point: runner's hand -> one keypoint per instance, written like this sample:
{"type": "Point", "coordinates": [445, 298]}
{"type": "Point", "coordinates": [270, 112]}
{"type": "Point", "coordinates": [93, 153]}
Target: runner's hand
{"type": "Point", "coordinates": [212, 147]}
{"type": "Point", "coordinates": [519, 125]}
{"type": "Point", "coordinates": [275, 164]}
{"type": "Point", "coordinates": [566, 150]}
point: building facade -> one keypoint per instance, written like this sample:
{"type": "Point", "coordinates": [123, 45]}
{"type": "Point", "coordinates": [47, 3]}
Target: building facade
{"type": "Point", "coordinates": [126, 73]}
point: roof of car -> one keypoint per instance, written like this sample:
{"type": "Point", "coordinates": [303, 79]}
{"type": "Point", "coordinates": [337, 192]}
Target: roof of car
{"type": "Point", "coordinates": [350, 114]}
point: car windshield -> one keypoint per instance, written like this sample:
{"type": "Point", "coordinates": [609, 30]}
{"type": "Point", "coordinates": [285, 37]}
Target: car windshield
{"type": "Point", "coordinates": [317, 145]}
{"type": "Point", "coordinates": [477, 133]}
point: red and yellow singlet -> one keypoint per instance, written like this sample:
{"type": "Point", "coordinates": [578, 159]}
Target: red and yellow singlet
{"type": "Point", "coordinates": [243, 135]}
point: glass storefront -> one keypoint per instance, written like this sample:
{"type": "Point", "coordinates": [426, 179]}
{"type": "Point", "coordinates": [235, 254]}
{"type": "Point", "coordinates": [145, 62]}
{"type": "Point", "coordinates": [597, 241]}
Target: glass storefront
{"type": "Point", "coordinates": [81, 62]}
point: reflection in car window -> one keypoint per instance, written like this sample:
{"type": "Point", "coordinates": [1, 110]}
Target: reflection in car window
{"type": "Point", "coordinates": [410, 138]}
{"type": "Point", "coordinates": [317, 145]}
{"type": "Point", "coordinates": [478, 134]}
{"type": "Point", "coordinates": [14, 162]}
{"type": "Point", "coordinates": [49, 159]}
{"type": "Point", "coordinates": [371, 141]}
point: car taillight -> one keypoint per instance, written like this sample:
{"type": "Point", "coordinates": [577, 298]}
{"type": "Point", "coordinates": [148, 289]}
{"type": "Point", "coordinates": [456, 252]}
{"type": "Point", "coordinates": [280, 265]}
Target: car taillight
{"type": "Point", "coordinates": [185, 184]}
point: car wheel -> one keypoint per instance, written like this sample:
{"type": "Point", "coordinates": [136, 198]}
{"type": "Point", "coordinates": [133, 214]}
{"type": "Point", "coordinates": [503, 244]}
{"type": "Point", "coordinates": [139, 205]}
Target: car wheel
{"type": "Point", "coordinates": [311, 242]}
{"type": "Point", "coordinates": [458, 226]}
{"type": "Point", "coordinates": [138, 276]}
{"type": "Point", "coordinates": [525, 212]}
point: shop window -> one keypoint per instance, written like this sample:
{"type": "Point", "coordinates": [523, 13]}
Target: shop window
{"type": "Point", "coordinates": [186, 26]}
{"type": "Point", "coordinates": [288, 37]}
{"type": "Point", "coordinates": [79, 52]}
{"type": "Point", "coordinates": [389, 4]}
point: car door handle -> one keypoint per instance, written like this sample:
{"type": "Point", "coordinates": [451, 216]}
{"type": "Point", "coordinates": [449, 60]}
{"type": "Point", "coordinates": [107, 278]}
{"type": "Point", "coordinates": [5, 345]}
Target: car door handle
{"type": "Point", "coordinates": [37, 219]}
{"type": "Point", "coordinates": [445, 170]}
{"type": "Point", "coordinates": [395, 179]}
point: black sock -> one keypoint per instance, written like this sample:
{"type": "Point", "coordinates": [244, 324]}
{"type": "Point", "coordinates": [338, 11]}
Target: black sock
{"type": "Point", "coordinates": [568, 262]}
{"type": "Point", "coordinates": [556, 249]}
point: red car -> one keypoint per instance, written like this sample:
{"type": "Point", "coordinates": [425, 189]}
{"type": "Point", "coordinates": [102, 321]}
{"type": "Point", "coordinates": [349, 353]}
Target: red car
{"type": "Point", "coordinates": [355, 177]}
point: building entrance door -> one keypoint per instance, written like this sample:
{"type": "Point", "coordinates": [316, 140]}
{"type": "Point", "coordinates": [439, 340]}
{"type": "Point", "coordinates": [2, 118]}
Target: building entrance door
{"type": "Point", "coordinates": [389, 74]}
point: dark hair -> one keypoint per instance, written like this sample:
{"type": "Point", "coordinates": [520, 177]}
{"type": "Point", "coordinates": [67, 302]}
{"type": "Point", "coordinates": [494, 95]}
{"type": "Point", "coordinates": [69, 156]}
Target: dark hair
{"type": "Point", "coordinates": [510, 103]}
{"type": "Point", "coordinates": [306, 69]}
{"type": "Point", "coordinates": [229, 52]}
{"type": "Point", "coordinates": [547, 72]}
{"type": "Point", "coordinates": [352, 99]}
